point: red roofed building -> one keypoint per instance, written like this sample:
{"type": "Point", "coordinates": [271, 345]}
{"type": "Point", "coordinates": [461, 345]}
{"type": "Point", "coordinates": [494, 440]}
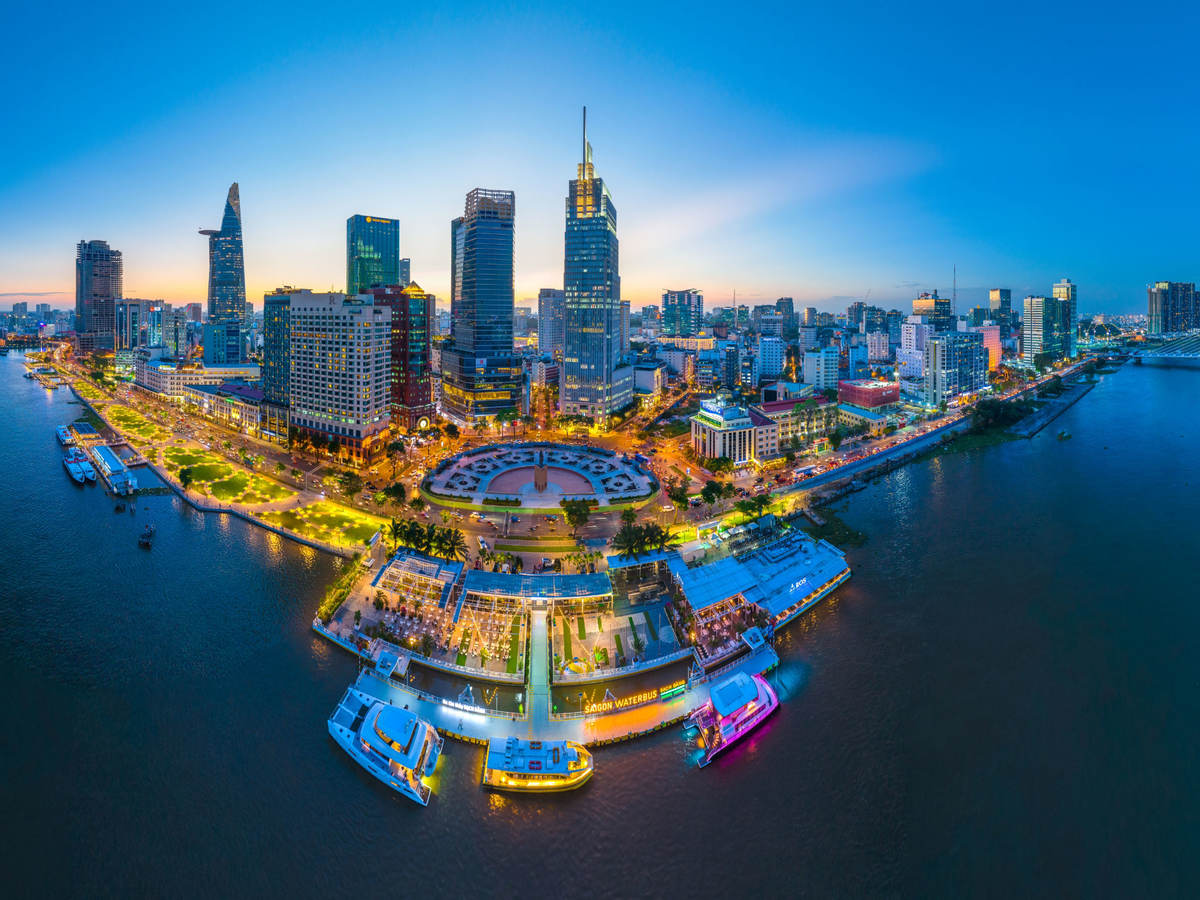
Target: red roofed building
{"type": "Point", "coordinates": [869, 394]}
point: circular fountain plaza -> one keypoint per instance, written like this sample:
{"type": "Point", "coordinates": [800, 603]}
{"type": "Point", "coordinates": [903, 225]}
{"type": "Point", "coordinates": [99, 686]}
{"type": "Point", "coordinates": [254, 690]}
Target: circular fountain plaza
{"type": "Point", "coordinates": [539, 476]}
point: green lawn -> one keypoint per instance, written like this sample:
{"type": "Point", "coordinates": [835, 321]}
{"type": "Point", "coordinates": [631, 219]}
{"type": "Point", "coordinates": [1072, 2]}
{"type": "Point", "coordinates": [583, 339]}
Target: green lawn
{"type": "Point", "coordinates": [88, 391]}
{"type": "Point", "coordinates": [617, 641]}
{"type": "Point", "coordinates": [582, 629]}
{"type": "Point", "coordinates": [566, 633]}
{"type": "Point", "coordinates": [650, 626]}
{"type": "Point", "coordinates": [132, 422]}
{"type": "Point", "coordinates": [224, 480]}
{"type": "Point", "coordinates": [327, 522]}
{"type": "Point", "coordinates": [514, 645]}
{"type": "Point", "coordinates": [461, 659]}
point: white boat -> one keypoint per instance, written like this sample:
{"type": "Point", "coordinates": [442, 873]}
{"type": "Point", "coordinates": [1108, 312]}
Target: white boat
{"type": "Point", "coordinates": [64, 436]}
{"type": "Point", "coordinates": [80, 459]}
{"type": "Point", "coordinates": [739, 704]}
{"type": "Point", "coordinates": [513, 764]}
{"type": "Point", "coordinates": [395, 745]}
{"type": "Point", "coordinates": [73, 469]}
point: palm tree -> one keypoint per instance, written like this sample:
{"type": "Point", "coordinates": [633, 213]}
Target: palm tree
{"type": "Point", "coordinates": [396, 533]}
{"type": "Point", "coordinates": [455, 545]}
{"type": "Point", "coordinates": [626, 540]}
{"type": "Point", "coordinates": [429, 537]}
{"type": "Point", "coordinates": [185, 477]}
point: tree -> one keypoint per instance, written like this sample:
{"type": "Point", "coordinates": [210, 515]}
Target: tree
{"type": "Point", "coordinates": [395, 492]}
{"type": "Point", "coordinates": [396, 533]}
{"type": "Point", "coordinates": [417, 502]}
{"type": "Point", "coordinates": [394, 449]}
{"type": "Point", "coordinates": [455, 544]}
{"type": "Point", "coordinates": [710, 493]}
{"type": "Point", "coordinates": [452, 431]}
{"type": "Point", "coordinates": [426, 645]}
{"type": "Point", "coordinates": [627, 540]}
{"type": "Point", "coordinates": [677, 493]}
{"type": "Point", "coordinates": [628, 516]}
{"type": "Point", "coordinates": [577, 513]}
{"type": "Point", "coordinates": [507, 416]}
{"type": "Point", "coordinates": [351, 482]}
{"type": "Point", "coordinates": [185, 478]}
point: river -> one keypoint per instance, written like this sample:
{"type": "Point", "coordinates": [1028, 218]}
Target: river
{"type": "Point", "coordinates": [1003, 699]}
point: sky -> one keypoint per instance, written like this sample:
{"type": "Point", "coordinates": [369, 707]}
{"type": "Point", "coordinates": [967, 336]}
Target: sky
{"type": "Point", "coordinates": [827, 152]}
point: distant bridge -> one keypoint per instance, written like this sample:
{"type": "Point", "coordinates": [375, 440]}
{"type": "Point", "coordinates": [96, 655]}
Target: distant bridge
{"type": "Point", "coordinates": [1184, 351]}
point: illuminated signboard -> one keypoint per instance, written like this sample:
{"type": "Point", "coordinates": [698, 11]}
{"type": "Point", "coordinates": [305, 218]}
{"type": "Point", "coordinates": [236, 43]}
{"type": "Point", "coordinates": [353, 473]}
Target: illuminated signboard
{"type": "Point", "coordinates": [638, 699]}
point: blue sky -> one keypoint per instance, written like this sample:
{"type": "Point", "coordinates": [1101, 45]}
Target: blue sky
{"type": "Point", "coordinates": [819, 151]}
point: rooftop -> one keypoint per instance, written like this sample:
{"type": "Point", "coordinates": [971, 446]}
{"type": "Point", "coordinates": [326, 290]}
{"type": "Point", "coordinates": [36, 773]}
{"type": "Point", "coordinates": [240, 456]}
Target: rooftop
{"type": "Point", "coordinates": [732, 694]}
{"type": "Point", "coordinates": [501, 584]}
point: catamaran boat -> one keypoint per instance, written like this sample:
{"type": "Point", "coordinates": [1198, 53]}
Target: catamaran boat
{"type": "Point", "coordinates": [64, 436]}
{"type": "Point", "coordinates": [78, 457]}
{"type": "Point", "coordinates": [73, 468]}
{"type": "Point", "coordinates": [393, 744]}
{"type": "Point", "coordinates": [512, 764]}
{"type": "Point", "coordinates": [739, 704]}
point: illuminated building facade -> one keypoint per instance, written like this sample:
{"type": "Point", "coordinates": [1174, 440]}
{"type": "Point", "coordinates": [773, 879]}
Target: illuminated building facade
{"type": "Point", "coordinates": [596, 381]}
{"type": "Point", "coordinates": [98, 286]}
{"type": "Point", "coordinates": [682, 313]}
{"type": "Point", "coordinates": [412, 377]}
{"type": "Point", "coordinates": [223, 333]}
{"type": "Point", "coordinates": [481, 376]}
{"type": "Point", "coordinates": [372, 253]}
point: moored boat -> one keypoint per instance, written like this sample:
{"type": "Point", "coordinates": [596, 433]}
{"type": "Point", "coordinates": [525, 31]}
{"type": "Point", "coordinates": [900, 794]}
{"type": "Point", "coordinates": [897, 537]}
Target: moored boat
{"type": "Point", "coordinates": [513, 764]}
{"type": "Point", "coordinates": [73, 469]}
{"type": "Point", "coordinates": [146, 538]}
{"type": "Point", "coordinates": [80, 459]}
{"type": "Point", "coordinates": [739, 704]}
{"type": "Point", "coordinates": [395, 745]}
{"type": "Point", "coordinates": [64, 436]}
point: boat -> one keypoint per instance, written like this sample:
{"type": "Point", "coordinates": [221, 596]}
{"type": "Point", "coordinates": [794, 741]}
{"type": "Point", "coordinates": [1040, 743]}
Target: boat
{"type": "Point", "coordinates": [146, 538]}
{"type": "Point", "coordinates": [739, 704]}
{"type": "Point", "coordinates": [73, 469]}
{"type": "Point", "coordinates": [78, 457]}
{"type": "Point", "coordinates": [64, 436]}
{"type": "Point", "coordinates": [395, 745]}
{"type": "Point", "coordinates": [513, 764]}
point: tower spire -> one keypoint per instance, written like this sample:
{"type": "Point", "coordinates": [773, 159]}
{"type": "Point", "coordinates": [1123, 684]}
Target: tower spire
{"type": "Point", "coordinates": [585, 143]}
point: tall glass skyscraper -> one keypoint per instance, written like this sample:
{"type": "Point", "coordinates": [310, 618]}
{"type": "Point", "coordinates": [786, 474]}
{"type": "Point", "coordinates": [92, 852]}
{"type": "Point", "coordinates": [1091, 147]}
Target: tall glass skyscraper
{"type": "Point", "coordinates": [595, 381]}
{"type": "Point", "coordinates": [226, 286]}
{"type": "Point", "coordinates": [98, 286]}
{"type": "Point", "coordinates": [372, 253]}
{"type": "Point", "coordinates": [411, 349]}
{"type": "Point", "coordinates": [481, 375]}
{"type": "Point", "coordinates": [1066, 292]}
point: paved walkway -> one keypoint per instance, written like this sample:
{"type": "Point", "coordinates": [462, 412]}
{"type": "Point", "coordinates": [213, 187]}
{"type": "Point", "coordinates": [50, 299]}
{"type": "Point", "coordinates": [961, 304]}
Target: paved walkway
{"type": "Point", "coordinates": [539, 670]}
{"type": "Point", "coordinates": [478, 725]}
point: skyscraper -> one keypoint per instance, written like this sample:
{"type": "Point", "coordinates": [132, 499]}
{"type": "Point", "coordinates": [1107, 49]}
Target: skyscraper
{"type": "Point", "coordinates": [956, 363]}
{"type": "Point", "coordinates": [1172, 306]}
{"type": "Point", "coordinates": [226, 286]}
{"type": "Point", "coordinates": [1000, 304]}
{"type": "Point", "coordinates": [276, 363]}
{"type": "Point", "coordinates": [552, 320]}
{"type": "Point", "coordinates": [372, 253]}
{"type": "Point", "coordinates": [412, 378]}
{"type": "Point", "coordinates": [596, 382]}
{"type": "Point", "coordinates": [936, 309]}
{"type": "Point", "coordinates": [480, 373]}
{"type": "Point", "coordinates": [98, 286]}
{"type": "Point", "coordinates": [682, 312]}
{"type": "Point", "coordinates": [1044, 327]}
{"type": "Point", "coordinates": [1064, 291]}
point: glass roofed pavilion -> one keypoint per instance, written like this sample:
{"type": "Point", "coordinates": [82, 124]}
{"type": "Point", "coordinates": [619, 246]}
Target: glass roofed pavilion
{"type": "Point", "coordinates": [496, 591]}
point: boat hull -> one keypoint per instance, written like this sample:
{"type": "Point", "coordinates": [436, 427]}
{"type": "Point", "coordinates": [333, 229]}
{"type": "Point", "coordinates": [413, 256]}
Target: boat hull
{"type": "Point", "coordinates": [74, 471]}
{"type": "Point", "coordinates": [750, 728]}
{"type": "Point", "coordinates": [493, 784]}
{"type": "Point", "coordinates": [346, 739]}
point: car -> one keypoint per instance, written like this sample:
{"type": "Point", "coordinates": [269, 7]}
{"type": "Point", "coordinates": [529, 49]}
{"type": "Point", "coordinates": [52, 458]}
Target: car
{"type": "Point", "coordinates": [516, 518]}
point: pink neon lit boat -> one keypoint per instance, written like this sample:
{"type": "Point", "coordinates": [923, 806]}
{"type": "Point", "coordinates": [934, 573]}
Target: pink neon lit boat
{"type": "Point", "coordinates": [739, 704]}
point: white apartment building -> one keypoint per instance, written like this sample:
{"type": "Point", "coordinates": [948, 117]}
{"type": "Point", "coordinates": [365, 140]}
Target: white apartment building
{"type": "Point", "coordinates": [910, 358]}
{"type": "Point", "coordinates": [772, 353]}
{"type": "Point", "coordinates": [340, 376]}
{"type": "Point", "coordinates": [821, 368]}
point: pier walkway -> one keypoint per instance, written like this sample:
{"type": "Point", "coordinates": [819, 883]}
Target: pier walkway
{"type": "Point", "coordinates": [478, 725]}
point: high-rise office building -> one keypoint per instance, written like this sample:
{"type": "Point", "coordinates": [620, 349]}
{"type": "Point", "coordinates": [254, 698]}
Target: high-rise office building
{"type": "Point", "coordinates": [481, 376]}
{"type": "Point", "coordinates": [821, 368]}
{"type": "Point", "coordinates": [1000, 304]}
{"type": "Point", "coordinates": [276, 363]}
{"type": "Point", "coordinates": [786, 307]}
{"type": "Point", "coordinates": [339, 377]}
{"type": "Point", "coordinates": [955, 363]}
{"type": "Point", "coordinates": [98, 286]}
{"type": "Point", "coordinates": [372, 253]}
{"type": "Point", "coordinates": [42, 312]}
{"type": "Point", "coordinates": [132, 322]}
{"type": "Point", "coordinates": [1065, 292]}
{"type": "Point", "coordinates": [552, 320]}
{"type": "Point", "coordinates": [810, 317]}
{"type": "Point", "coordinates": [682, 312]}
{"type": "Point", "coordinates": [405, 278]}
{"type": "Point", "coordinates": [1044, 327]}
{"type": "Point", "coordinates": [223, 333]}
{"type": "Point", "coordinates": [1172, 306]}
{"type": "Point", "coordinates": [412, 374]}
{"type": "Point", "coordinates": [596, 381]}
{"type": "Point", "coordinates": [936, 310]}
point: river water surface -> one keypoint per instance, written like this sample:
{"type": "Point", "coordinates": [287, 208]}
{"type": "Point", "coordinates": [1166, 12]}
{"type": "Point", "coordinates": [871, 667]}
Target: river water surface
{"type": "Point", "coordinates": [1003, 699]}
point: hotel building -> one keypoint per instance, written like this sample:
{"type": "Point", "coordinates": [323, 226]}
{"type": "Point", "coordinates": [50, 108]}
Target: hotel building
{"type": "Point", "coordinates": [340, 369]}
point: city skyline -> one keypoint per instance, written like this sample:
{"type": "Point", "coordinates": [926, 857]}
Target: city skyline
{"type": "Point", "coordinates": [779, 182]}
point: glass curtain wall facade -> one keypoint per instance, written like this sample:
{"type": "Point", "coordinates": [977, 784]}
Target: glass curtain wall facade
{"type": "Point", "coordinates": [682, 313]}
{"type": "Point", "coordinates": [481, 376]}
{"type": "Point", "coordinates": [1066, 293]}
{"type": "Point", "coordinates": [223, 335]}
{"type": "Point", "coordinates": [411, 348]}
{"type": "Point", "coordinates": [595, 382]}
{"type": "Point", "coordinates": [552, 336]}
{"type": "Point", "coordinates": [98, 285]}
{"type": "Point", "coordinates": [372, 253]}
